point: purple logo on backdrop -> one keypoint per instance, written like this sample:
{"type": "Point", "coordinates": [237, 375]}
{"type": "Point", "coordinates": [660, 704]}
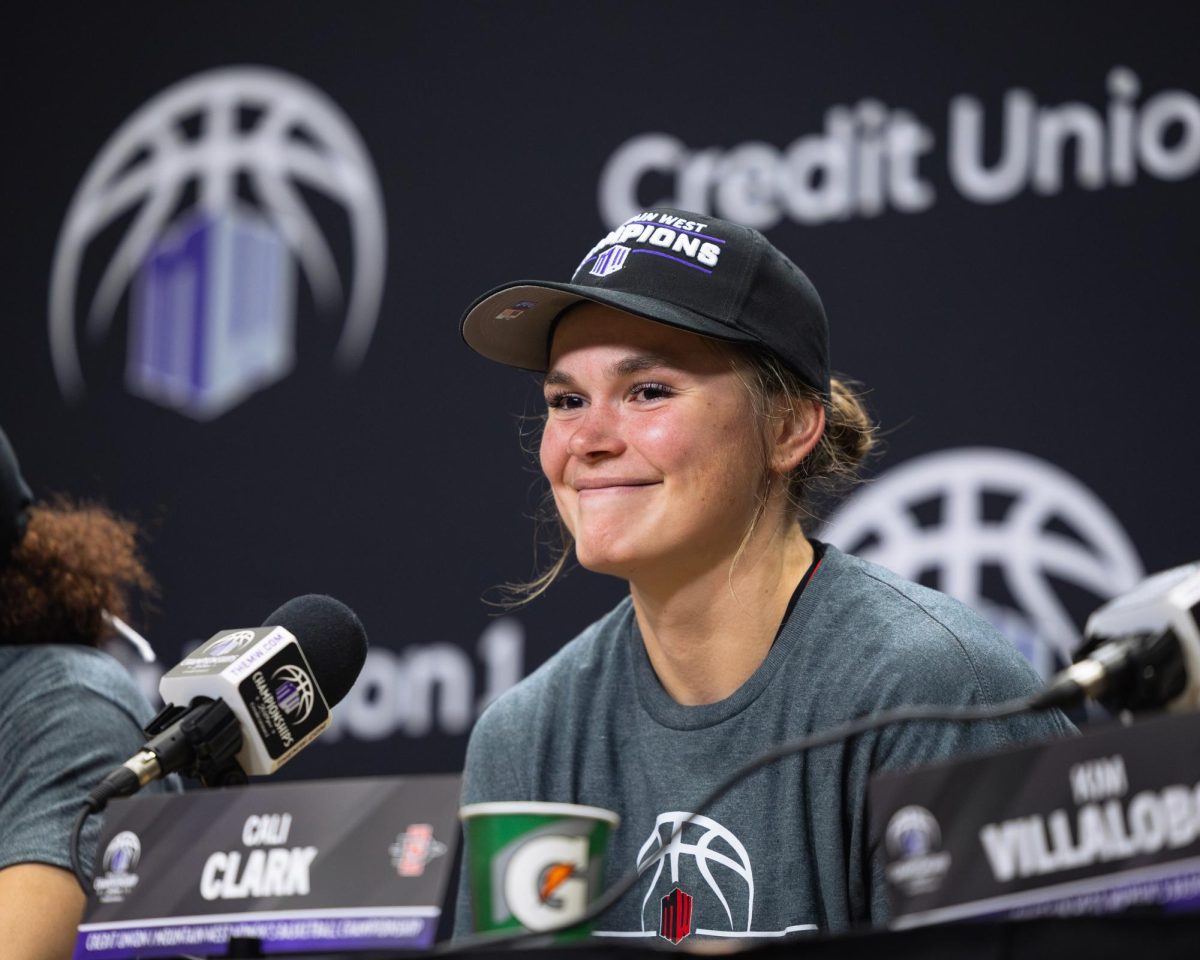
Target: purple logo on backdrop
{"type": "Point", "coordinates": [212, 317]}
{"type": "Point", "coordinates": [294, 693]}
{"type": "Point", "coordinates": [212, 304]}
{"type": "Point", "coordinates": [610, 261]}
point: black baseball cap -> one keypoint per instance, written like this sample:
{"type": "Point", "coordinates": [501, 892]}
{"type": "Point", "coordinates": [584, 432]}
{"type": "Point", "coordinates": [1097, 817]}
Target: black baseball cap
{"type": "Point", "coordinates": [15, 498]}
{"type": "Point", "coordinates": [698, 273]}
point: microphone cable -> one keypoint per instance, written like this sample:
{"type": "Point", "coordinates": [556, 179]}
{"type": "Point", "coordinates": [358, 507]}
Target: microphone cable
{"type": "Point", "coordinates": [120, 783]}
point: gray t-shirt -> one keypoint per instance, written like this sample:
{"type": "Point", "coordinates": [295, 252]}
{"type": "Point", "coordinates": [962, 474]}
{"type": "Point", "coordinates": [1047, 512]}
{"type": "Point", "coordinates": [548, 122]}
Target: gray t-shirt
{"type": "Point", "coordinates": [787, 850]}
{"type": "Point", "coordinates": [68, 715]}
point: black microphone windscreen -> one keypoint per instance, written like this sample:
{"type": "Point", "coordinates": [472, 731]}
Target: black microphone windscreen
{"type": "Point", "coordinates": [331, 636]}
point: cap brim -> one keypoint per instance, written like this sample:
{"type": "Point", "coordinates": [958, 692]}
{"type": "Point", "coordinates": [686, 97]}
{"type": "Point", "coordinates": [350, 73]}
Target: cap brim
{"type": "Point", "coordinates": [511, 324]}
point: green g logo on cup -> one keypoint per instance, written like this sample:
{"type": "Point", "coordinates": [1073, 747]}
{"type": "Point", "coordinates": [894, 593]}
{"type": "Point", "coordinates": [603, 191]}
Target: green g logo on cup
{"type": "Point", "coordinates": [542, 881]}
{"type": "Point", "coordinates": [534, 866]}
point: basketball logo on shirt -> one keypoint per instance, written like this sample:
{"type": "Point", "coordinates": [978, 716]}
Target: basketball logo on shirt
{"type": "Point", "coordinates": [720, 858]}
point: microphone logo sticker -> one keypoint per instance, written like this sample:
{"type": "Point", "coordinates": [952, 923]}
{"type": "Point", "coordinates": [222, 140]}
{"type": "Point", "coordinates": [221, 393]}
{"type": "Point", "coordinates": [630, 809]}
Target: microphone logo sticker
{"type": "Point", "coordinates": [119, 862]}
{"type": "Point", "coordinates": [210, 182]}
{"type": "Point", "coordinates": [1016, 538]}
{"type": "Point", "coordinates": [283, 701]}
{"type": "Point", "coordinates": [293, 692]}
{"type": "Point", "coordinates": [229, 643]}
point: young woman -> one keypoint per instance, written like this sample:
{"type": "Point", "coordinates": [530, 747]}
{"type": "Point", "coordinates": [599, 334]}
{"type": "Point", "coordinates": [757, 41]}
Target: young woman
{"type": "Point", "coordinates": [69, 713]}
{"type": "Point", "coordinates": [690, 419]}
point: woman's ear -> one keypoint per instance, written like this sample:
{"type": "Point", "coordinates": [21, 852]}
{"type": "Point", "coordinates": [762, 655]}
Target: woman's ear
{"type": "Point", "coordinates": [797, 431]}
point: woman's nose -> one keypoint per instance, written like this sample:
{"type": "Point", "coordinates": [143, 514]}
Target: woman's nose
{"type": "Point", "coordinates": [597, 435]}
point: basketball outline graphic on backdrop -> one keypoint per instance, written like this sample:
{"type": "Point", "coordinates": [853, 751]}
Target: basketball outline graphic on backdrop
{"type": "Point", "coordinates": [878, 524]}
{"type": "Point", "coordinates": [275, 130]}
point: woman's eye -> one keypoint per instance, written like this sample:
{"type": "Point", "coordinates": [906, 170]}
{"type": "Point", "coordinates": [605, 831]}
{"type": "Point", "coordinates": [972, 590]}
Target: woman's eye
{"type": "Point", "coordinates": [651, 391]}
{"type": "Point", "coordinates": [564, 401]}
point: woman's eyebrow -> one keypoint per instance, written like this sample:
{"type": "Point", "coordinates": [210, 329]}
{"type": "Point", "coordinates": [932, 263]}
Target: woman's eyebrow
{"type": "Point", "coordinates": [557, 378]}
{"type": "Point", "coordinates": [637, 364]}
{"type": "Point", "coordinates": [621, 368]}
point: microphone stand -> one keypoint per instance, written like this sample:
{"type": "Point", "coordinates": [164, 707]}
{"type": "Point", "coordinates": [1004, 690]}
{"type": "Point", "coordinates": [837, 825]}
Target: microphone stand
{"type": "Point", "coordinates": [201, 739]}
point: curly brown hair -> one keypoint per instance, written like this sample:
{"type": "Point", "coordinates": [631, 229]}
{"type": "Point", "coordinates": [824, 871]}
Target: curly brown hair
{"type": "Point", "coordinates": [75, 562]}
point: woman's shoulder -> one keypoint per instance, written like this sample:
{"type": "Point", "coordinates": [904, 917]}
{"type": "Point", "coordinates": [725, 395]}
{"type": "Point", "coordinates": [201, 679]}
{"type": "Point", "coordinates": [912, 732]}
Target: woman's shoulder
{"type": "Point", "coordinates": [874, 590]}
{"type": "Point", "coordinates": [71, 675]}
{"type": "Point", "coordinates": [582, 664]}
{"type": "Point", "coordinates": [918, 634]}
{"type": "Point", "coordinates": [551, 703]}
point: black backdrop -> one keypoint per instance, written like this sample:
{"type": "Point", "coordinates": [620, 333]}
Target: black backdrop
{"type": "Point", "coordinates": [1058, 320]}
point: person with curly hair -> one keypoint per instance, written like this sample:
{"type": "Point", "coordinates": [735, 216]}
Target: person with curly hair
{"type": "Point", "coordinates": [691, 423]}
{"type": "Point", "coordinates": [69, 713]}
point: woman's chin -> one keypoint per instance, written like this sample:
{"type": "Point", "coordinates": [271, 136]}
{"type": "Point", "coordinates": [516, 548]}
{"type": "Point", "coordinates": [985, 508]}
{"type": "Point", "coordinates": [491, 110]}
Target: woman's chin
{"type": "Point", "coordinates": [607, 559]}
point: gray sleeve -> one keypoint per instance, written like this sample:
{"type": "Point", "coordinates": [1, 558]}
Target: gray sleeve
{"type": "Point", "coordinates": [58, 746]}
{"type": "Point", "coordinates": [493, 771]}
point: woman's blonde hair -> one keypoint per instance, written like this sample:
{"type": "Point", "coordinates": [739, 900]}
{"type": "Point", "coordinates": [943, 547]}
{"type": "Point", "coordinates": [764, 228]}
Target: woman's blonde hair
{"type": "Point", "coordinates": [849, 437]}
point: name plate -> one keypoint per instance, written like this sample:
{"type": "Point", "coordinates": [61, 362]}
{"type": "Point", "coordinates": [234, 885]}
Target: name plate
{"type": "Point", "coordinates": [355, 864]}
{"type": "Point", "coordinates": [1093, 824]}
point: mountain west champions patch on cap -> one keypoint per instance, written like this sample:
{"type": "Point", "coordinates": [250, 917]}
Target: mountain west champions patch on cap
{"type": "Point", "coordinates": [702, 274]}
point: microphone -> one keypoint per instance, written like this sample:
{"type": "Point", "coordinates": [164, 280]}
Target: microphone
{"type": "Point", "coordinates": [244, 702]}
{"type": "Point", "coordinates": [1141, 650]}
{"type": "Point", "coordinates": [247, 700]}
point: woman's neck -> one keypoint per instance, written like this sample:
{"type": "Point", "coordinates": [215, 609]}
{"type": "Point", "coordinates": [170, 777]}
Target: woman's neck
{"type": "Point", "coordinates": [705, 637]}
